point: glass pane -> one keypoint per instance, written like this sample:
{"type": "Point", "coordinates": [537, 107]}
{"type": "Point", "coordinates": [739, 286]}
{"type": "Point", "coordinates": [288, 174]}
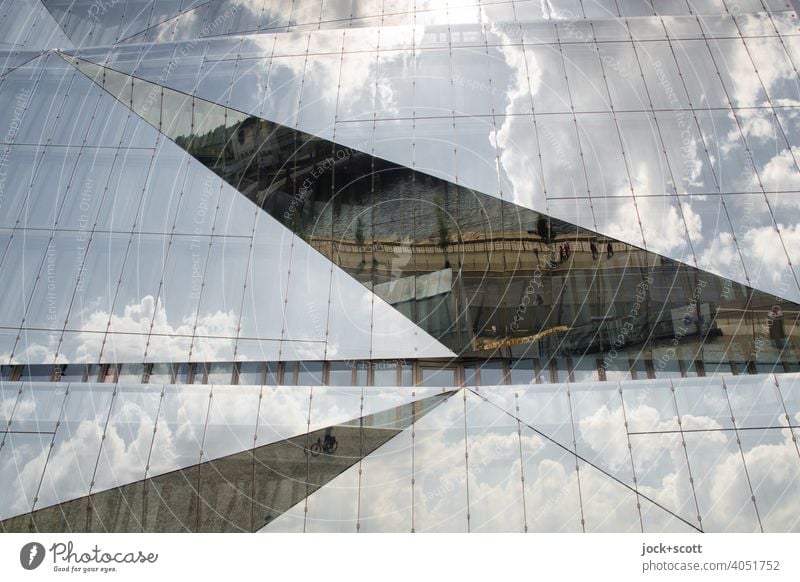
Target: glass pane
{"type": "Point", "coordinates": [440, 493]}
{"type": "Point", "coordinates": [22, 459]}
{"type": "Point", "coordinates": [755, 401]}
{"type": "Point", "coordinates": [662, 475]}
{"type": "Point", "coordinates": [72, 462]}
{"type": "Point", "coordinates": [737, 72]}
{"type": "Point", "coordinates": [309, 374]}
{"type": "Point", "coordinates": [646, 162]}
{"type": "Point", "coordinates": [773, 469]}
{"type": "Point", "coordinates": [38, 408]}
{"type": "Point", "coordinates": [340, 374]}
{"type": "Point", "coordinates": [445, 377]}
{"type": "Point", "coordinates": [702, 403]}
{"type": "Point", "coordinates": [17, 183]}
{"type": "Point", "coordinates": [602, 155]}
{"type": "Point", "coordinates": [723, 494]}
{"type": "Point", "coordinates": [561, 160]}
{"type": "Point", "coordinates": [699, 74]}
{"type": "Point", "coordinates": [385, 494]}
{"type": "Point", "coordinates": [623, 76]}
{"type": "Point", "coordinates": [546, 75]}
{"type": "Point", "coordinates": [522, 372]}
{"type": "Point", "coordinates": [600, 428]}
{"type": "Point", "coordinates": [585, 75]}
{"type": "Point", "coordinates": [664, 84]}
{"type": "Point", "coordinates": [433, 97]}
{"type": "Point", "coordinates": [251, 373]}
{"type": "Point", "coordinates": [496, 493]}
{"type": "Point", "coordinates": [384, 374]}
{"type": "Point", "coordinates": [128, 436]}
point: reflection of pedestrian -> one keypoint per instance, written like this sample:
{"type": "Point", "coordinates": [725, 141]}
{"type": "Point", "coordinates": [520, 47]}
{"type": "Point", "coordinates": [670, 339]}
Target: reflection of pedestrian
{"type": "Point", "coordinates": [593, 248]}
{"type": "Point", "coordinates": [567, 250]}
{"type": "Point", "coordinates": [610, 250]}
{"type": "Point", "coordinates": [329, 440]}
{"type": "Point", "coordinates": [562, 254]}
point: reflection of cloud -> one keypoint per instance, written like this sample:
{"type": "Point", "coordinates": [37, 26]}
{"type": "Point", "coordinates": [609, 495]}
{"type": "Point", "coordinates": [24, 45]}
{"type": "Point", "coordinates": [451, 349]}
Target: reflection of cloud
{"type": "Point", "coordinates": [780, 173]}
{"type": "Point", "coordinates": [21, 463]}
{"type": "Point", "coordinates": [763, 246]}
{"type": "Point", "coordinates": [719, 255]}
{"type": "Point", "coordinates": [168, 341]}
{"type": "Point", "coordinates": [71, 466]}
{"type": "Point", "coordinates": [663, 226]}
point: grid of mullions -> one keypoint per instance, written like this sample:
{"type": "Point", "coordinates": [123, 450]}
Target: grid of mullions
{"type": "Point", "coordinates": [615, 131]}
{"type": "Point", "coordinates": [653, 456]}
{"type": "Point", "coordinates": [206, 66]}
{"type": "Point", "coordinates": [127, 216]}
{"type": "Point", "coordinates": [236, 17]}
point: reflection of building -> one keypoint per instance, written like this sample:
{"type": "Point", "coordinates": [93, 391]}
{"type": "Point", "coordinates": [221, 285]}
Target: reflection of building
{"type": "Point", "coordinates": [544, 242]}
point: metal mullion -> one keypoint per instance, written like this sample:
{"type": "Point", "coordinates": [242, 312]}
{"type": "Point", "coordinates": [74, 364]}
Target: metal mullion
{"type": "Point", "coordinates": [521, 464]}
{"type": "Point", "coordinates": [295, 238]}
{"type": "Point", "coordinates": [776, 383]}
{"type": "Point", "coordinates": [466, 456]}
{"type": "Point", "coordinates": [360, 459]}
{"type": "Point", "coordinates": [752, 161]}
{"type": "Point", "coordinates": [575, 458]}
{"type": "Point", "coordinates": [124, 259]}
{"type": "Point", "coordinates": [705, 149]}
{"type": "Point", "coordinates": [663, 149]}
{"type": "Point", "coordinates": [619, 138]}
{"type": "Point", "coordinates": [164, 266]}
{"type": "Point", "coordinates": [333, 190]}
{"type": "Point", "coordinates": [630, 456]}
{"type": "Point", "coordinates": [764, 87]}
{"type": "Point", "coordinates": [50, 449]}
{"type": "Point", "coordinates": [90, 505]}
{"type": "Point", "coordinates": [53, 230]}
{"type": "Point", "coordinates": [94, 226]}
{"type": "Point", "coordinates": [741, 452]}
{"type": "Point", "coordinates": [575, 124]}
{"type": "Point", "coordinates": [685, 453]}
{"type": "Point", "coordinates": [213, 237]}
{"type": "Point", "coordinates": [37, 162]}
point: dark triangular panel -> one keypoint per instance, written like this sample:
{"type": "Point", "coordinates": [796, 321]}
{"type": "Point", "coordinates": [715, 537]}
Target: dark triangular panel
{"type": "Point", "coordinates": [480, 274]}
{"type": "Point", "coordinates": [238, 492]}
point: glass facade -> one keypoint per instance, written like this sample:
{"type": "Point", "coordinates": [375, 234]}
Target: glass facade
{"type": "Point", "coordinates": [399, 265]}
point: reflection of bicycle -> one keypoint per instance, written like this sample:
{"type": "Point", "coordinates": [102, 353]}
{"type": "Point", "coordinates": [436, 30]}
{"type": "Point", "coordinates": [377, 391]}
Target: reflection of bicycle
{"type": "Point", "coordinates": [328, 446]}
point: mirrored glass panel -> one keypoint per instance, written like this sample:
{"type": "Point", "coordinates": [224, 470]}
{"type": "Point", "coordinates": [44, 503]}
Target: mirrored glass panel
{"type": "Point", "coordinates": [73, 460]}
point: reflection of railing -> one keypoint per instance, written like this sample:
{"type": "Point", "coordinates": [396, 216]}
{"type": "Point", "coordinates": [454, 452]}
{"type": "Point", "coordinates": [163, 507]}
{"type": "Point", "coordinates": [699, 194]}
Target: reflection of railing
{"type": "Point", "coordinates": [508, 242]}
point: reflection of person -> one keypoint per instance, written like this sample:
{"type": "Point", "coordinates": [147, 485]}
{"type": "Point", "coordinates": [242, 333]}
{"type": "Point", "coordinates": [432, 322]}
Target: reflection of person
{"type": "Point", "coordinates": [593, 248]}
{"type": "Point", "coordinates": [610, 250]}
{"type": "Point", "coordinates": [328, 438]}
{"type": "Point", "coordinates": [567, 250]}
{"type": "Point", "coordinates": [562, 253]}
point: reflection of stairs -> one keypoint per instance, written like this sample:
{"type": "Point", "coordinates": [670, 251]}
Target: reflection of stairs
{"type": "Point", "coordinates": [239, 492]}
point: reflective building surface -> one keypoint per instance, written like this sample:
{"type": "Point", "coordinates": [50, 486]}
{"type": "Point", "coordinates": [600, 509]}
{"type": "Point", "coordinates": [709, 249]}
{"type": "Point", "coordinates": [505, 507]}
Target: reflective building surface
{"type": "Point", "coordinates": [400, 265]}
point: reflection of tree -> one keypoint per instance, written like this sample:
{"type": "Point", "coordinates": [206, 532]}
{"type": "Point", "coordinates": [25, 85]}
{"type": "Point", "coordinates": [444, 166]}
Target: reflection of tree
{"type": "Point", "coordinates": [297, 223]}
{"type": "Point", "coordinates": [360, 238]}
{"type": "Point", "coordinates": [543, 228]}
{"type": "Point", "coordinates": [443, 231]}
